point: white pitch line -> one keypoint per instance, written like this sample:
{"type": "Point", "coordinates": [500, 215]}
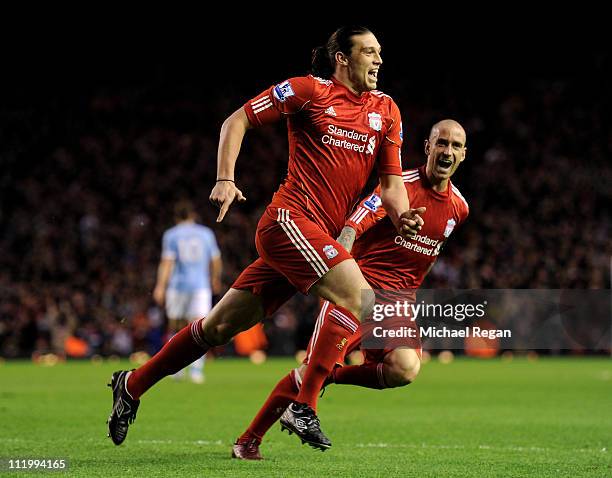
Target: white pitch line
{"type": "Point", "coordinates": [482, 447]}
{"type": "Point", "coordinates": [406, 445]}
{"type": "Point", "coordinates": [174, 442]}
{"type": "Point", "coordinates": [365, 445]}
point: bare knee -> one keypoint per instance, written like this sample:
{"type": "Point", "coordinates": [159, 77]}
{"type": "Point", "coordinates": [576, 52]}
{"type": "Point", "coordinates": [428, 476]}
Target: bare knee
{"type": "Point", "coordinates": [356, 304]}
{"type": "Point", "coordinates": [345, 286]}
{"type": "Point", "coordinates": [360, 303]}
{"type": "Point", "coordinates": [236, 311]}
{"type": "Point", "coordinates": [402, 367]}
{"type": "Point", "coordinates": [358, 300]}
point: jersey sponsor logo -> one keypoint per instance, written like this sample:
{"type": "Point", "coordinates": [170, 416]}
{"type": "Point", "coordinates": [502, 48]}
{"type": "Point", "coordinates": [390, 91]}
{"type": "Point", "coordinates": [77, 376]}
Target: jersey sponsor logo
{"type": "Point", "coordinates": [450, 225]}
{"type": "Point", "coordinates": [330, 251]}
{"type": "Point", "coordinates": [342, 343]}
{"type": "Point", "coordinates": [347, 133]}
{"type": "Point", "coordinates": [373, 203]}
{"type": "Point", "coordinates": [371, 145]}
{"type": "Point", "coordinates": [438, 249]}
{"type": "Point", "coordinates": [430, 247]}
{"type": "Point", "coordinates": [283, 91]}
{"type": "Point", "coordinates": [343, 143]}
{"type": "Point", "coordinates": [335, 131]}
{"type": "Point", "coordinates": [330, 111]}
{"type": "Point", "coordinates": [375, 121]}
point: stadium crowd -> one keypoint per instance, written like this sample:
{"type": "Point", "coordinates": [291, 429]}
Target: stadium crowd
{"type": "Point", "coordinates": [88, 187]}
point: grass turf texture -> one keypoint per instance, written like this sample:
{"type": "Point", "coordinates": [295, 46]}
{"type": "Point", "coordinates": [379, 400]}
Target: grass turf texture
{"type": "Point", "coordinates": [551, 417]}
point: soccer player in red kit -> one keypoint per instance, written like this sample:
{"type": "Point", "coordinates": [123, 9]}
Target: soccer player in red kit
{"type": "Point", "coordinates": [388, 261]}
{"type": "Point", "coordinates": [339, 127]}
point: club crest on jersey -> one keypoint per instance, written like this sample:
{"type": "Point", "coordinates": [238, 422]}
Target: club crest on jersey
{"type": "Point", "coordinates": [373, 203]}
{"type": "Point", "coordinates": [375, 121]}
{"type": "Point", "coordinates": [330, 251]}
{"type": "Point", "coordinates": [450, 225]}
{"type": "Point", "coordinates": [283, 90]}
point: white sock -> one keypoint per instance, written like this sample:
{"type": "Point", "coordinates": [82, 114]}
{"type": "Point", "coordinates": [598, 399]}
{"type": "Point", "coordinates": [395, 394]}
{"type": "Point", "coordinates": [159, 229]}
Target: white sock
{"type": "Point", "coordinates": [197, 367]}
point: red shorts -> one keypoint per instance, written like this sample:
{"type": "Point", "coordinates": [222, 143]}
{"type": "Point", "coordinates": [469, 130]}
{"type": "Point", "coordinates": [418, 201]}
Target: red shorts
{"type": "Point", "coordinates": [370, 355]}
{"type": "Point", "coordinates": [273, 287]}
{"type": "Point", "coordinates": [297, 247]}
{"type": "Point", "coordinates": [294, 254]}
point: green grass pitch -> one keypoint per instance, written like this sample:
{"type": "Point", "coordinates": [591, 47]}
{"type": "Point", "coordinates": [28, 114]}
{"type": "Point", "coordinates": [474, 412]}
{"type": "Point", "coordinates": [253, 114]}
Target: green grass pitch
{"type": "Point", "coordinates": [546, 418]}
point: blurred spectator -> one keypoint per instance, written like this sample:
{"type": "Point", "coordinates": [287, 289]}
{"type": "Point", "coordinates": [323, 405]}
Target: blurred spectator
{"type": "Point", "coordinates": [87, 189]}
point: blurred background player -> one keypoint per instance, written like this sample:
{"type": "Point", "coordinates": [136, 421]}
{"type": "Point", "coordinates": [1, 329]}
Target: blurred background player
{"type": "Point", "coordinates": [387, 262]}
{"type": "Point", "coordinates": [188, 275]}
{"type": "Point", "coordinates": [339, 127]}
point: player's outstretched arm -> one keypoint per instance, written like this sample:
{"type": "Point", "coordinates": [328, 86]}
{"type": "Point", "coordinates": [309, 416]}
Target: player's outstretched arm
{"type": "Point", "coordinates": [408, 222]}
{"type": "Point", "coordinates": [232, 133]}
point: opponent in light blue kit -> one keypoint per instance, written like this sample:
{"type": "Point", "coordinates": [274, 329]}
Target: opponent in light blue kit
{"type": "Point", "coordinates": [189, 273]}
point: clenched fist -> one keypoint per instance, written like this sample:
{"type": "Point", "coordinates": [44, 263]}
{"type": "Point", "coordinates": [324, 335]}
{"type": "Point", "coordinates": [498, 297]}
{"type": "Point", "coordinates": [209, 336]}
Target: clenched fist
{"type": "Point", "coordinates": [411, 222]}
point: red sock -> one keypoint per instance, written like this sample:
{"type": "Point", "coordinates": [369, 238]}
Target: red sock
{"type": "Point", "coordinates": [328, 343]}
{"type": "Point", "coordinates": [369, 375]}
{"type": "Point", "coordinates": [283, 394]}
{"type": "Point", "coordinates": [184, 348]}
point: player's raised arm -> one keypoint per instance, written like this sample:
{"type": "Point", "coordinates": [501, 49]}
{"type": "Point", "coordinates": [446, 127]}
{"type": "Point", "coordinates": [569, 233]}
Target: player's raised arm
{"type": "Point", "coordinates": [225, 191]}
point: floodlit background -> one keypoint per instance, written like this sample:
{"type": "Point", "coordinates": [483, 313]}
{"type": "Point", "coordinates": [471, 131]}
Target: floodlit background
{"type": "Point", "coordinates": [107, 118]}
{"type": "Point", "coordinates": [100, 133]}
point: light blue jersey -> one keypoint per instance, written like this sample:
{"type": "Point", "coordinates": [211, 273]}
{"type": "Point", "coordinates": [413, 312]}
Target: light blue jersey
{"type": "Point", "coordinates": [191, 246]}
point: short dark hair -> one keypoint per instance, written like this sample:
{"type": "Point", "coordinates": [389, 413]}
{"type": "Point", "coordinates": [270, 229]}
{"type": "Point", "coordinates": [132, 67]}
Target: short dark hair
{"type": "Point", "coordinates": [183, 210]}
{"type": "Point", "coordinates": [323, 57]}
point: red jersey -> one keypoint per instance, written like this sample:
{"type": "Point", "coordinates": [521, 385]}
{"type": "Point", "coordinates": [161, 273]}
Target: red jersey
{"type": "Point", "coordinates": [335, 137]}
{"type": "Point", "coordinates": [389, 261]}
